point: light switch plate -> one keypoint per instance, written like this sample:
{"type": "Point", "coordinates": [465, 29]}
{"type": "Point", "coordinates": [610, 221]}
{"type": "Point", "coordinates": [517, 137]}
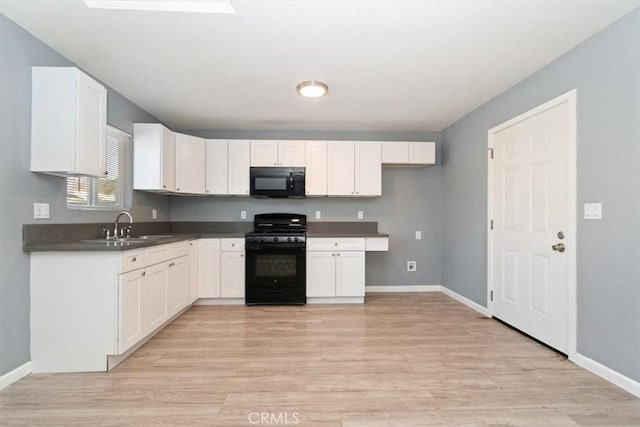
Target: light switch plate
{"type": "Point", "coordinates": [41, 210]}
{"type": "Point", "coordinates": [154, 214]}
{"type": "Point", "coordinates": [418, 235]}
{"type": "Point", "coordinates": [318, 214]}
{"type": "Point", "coordinates": [360, 214]}
{"type": "Point", "coordinates": [411, 266]}
{"type": "Point", "coordinates": [593, 211]}
{"type": "Point", "coordinates": [243, 214]}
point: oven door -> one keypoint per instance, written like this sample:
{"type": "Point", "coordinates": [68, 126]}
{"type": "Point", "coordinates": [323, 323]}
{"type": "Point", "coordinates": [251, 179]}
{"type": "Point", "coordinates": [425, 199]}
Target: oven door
{"type": "Point", "coordinates": [275, 275]}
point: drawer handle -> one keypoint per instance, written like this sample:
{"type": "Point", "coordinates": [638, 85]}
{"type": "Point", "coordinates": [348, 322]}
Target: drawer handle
{"type": "Point", "coordinates": [233, 244]}
{"type": "Point", "coordinates": [144, 273]}
{"type": "Point", "coordinates": [335, 244]}
{"type": "Point", "coordinates": [133, 259]}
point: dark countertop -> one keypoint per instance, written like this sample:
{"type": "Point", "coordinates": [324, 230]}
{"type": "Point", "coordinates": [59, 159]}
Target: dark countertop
{"type": "Point", "coordinates": [111, 246]}
{"type": "Point", "coordinates": [345, 234]}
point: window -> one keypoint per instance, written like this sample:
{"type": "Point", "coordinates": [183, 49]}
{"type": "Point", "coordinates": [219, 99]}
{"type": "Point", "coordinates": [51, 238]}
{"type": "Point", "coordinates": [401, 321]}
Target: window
{"type": "Point", "coordinates": [109, 193]}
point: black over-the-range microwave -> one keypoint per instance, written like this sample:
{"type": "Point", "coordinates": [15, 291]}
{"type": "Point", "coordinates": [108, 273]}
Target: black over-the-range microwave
{"type": "Point", "coordinates": [277, 182]}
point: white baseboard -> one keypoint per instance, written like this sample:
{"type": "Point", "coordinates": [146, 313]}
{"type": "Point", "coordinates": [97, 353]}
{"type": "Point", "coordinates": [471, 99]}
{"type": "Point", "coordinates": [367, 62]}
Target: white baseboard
{"type": "Point", "coordinates": [220, 301]}
{"type": "Point", "coordinates": [11, 377]}
{"type": "Point", "coordinates": [409, 288]}
{"type": "Point", "coordinates": [614, 377]}
{"type": "Point", "coordinates": [466, 301]}
{"type": "Point", "coordinates": [335, 300]}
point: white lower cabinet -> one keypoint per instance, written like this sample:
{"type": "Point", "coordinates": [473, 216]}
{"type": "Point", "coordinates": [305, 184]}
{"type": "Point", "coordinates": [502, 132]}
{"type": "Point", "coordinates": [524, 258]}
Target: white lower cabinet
{"type": "Point", "coordinates": [130, 321]}
{"type": "Point", "coordinates": [335, 267]}
{"type": "Point", "coordinates": [81, 326]}
{"type": "Point", "coordinates": [222, 268]}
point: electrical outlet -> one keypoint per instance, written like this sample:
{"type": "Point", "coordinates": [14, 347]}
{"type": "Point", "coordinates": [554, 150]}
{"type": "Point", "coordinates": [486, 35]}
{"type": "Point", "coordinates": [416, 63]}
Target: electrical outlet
{"type": "Point", "coordinates": [418, 235]}
{"type": "Point", "coordinates": [243, 214]}
{"type": "Point", "coordinates": [41, 210]}
{"type": "Point", "coordinates": [318, 214]}
{"type": "Point", "coordinates": [360, 214]}
{"type": "Point", "coordinates": [154, 214]}
{"type": "Point", "coordinates": [593, 211]}
{"type": "Point", "coordinates": [411, 266]}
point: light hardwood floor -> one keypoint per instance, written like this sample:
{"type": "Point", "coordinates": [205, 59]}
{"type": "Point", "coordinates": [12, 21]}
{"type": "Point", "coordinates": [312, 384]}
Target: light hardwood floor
{"type": "Point", "coordinates": [399, 360]}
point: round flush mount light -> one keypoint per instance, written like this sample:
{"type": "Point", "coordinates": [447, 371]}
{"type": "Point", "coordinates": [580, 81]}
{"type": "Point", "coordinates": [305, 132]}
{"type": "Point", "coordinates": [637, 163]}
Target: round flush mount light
{"type": "Point", "coordinates": [312, 89]}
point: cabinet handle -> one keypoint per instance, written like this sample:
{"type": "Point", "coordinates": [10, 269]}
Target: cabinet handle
{"type": "Point", "coordinates": [164, 186]}
{"type": "Point", "coordinates": [144, 273]}
{"type": "Point", "coordinates": [233, 244]}
{"type": "Point", "coordinates": [208, 191]}
{"type": "Point", "coordinates": [241, 255]}
{"type": "Point", "coordinates": [134, 259]}
{"type": "Point", "coordinates": [177, 189]}
{"type": "Point", "coordinates": [338, 254]}
{"type": "Point", "coordinates": [333, 254]}
{"type": "Point", "coordinates": [106, 172]}
{"type": "Point", "coordinates": [335, 244]}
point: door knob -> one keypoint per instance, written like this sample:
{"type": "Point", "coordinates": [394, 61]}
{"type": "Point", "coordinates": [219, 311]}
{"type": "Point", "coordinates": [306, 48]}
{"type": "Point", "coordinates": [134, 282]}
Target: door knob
{"type": "Point", "coordinates": [559, 247]}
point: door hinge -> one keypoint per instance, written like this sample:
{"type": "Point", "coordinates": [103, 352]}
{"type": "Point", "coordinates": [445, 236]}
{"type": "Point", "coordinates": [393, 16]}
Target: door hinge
{"type": "Point", "coordinates": [491, 225]}
{"type": "Point", "coordinates": [491, 152]}
{"type": "Point", "coordinates": [491, 295]}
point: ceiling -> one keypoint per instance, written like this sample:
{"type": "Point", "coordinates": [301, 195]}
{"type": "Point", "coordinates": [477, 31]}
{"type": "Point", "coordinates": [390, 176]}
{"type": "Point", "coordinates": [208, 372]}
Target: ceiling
{"type": "Point", "coordinates": [390, 65]}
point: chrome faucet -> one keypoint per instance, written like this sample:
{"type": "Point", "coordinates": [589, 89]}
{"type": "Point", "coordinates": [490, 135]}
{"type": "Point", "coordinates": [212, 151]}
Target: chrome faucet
{"type": "Point", "coordinates": [115, 226]}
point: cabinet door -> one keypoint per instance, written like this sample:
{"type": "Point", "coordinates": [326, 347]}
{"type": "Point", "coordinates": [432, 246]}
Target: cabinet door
{"type": "Point", "coordinates": [194, 264]}
{"type": "Point", "coordinates": [190, 164]}
{"type": "Point", "coordinates": [178, 284]}
{"type": "Point", "coordinates": [91, 127]}
{"type": "Point", "coordinates": [321, 274]}
{"type": "Point", "coordinates": [217, 166]}
{"type": "Point", "coordinates": [130, 309]}
{"type": "Point", "coordinates": [168, 162]}
{"type": "Point", "coordinates": [291, 153]}
{"type": "Point", "coordinates": [395, 152]}
{"type": "Point", "coordinates": [423, 153]}
{"type": "Point", "coordinates": [341, 168]}
{"type": "Point", "coordinates": [232, 275]}
{"type": "Point", "coordinates": [350, 274]}
{"type": "Point", "coordinates": [155, 296]}
{"type": "Point", "coordinates": [368, 169]}
{"type": "Point", "coordinates": [316, 168]}
{"type": "Point", "coordinates": [239, 164]}
{"type": "Point", "coordinates": [264, 153]}
{"type": "Point", "coordinates": [209, 268]}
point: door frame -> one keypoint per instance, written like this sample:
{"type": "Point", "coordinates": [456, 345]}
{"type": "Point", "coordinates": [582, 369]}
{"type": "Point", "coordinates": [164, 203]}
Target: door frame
{"type": "Point", "coordinates": [570, 99]}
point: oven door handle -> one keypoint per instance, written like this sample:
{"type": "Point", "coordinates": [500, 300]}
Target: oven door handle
{"type": "Point", "coordinates": [275, 248]}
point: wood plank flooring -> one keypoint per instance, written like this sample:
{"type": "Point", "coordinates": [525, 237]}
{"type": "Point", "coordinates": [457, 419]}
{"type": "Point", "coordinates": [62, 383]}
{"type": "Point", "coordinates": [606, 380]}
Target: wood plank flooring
{"type": "Point", "coordinates": [399, 360]}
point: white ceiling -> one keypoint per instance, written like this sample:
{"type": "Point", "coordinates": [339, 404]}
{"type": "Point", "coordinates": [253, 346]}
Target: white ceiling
{"type": "Point", "coordinates": [390, 65]}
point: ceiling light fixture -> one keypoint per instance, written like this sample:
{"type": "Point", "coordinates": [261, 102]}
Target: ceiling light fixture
{"type": "Point", "coordinates": [312, 89]}
{"type": "Point", "coordinates": [191, 6]}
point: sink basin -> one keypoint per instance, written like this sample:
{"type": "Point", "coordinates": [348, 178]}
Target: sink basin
{"type": "Point", "coordinates": [122, 240]}
{"type": "Point", "coordinates": [153, 236]}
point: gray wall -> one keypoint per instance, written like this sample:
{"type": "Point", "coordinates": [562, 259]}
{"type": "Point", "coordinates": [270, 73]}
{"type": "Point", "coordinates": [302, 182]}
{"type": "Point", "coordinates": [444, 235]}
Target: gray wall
{"type": "Point", "coordinates": [19, 188]}
{"type": "Point", "coordinates": [605, 70]}
{"type": "Point", "coordinates": [411, 200]}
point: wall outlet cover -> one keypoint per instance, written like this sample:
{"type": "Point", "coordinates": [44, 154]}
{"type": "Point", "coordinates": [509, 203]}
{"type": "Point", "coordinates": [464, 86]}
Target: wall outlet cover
{"type": "Point", "coordinates": [360, 214]}
{"type": "Point", "coordinates": [154, 214]}
{"type": "Point", "coordinates": [318, 214]}
{"type": "Point", "coordinates": [411, 266]}
{"type": "Point", "coordinates": [418, 235]}
{"type": "Point", "coordinates": [593, 211]}
{"type": "Point", "coordinates": [41, 210]}
{"type": "Point", "coordinates": [243, 214]}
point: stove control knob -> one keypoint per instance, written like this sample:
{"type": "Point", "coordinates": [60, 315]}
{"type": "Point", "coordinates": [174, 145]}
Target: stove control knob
{"type": "Point", "coordinates": [288, 239]}
{"type": "Point", "coordinates": [261, 239]}
{"type": "Point", "coordinates": [295, 239]}
{"type": "Point", "coordinates": [275, 239]}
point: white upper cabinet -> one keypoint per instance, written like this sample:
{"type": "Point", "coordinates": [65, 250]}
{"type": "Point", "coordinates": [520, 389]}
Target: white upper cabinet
{"type": "Point", "coordinates": [267, 153]}
{"type": "Point", "coordinates": [291, 153]}
{"type": "Point", "coordinates": [153, 157]}
{"type": "Point", "coordinates": [190, 164]}
{"type": "Point", "coordinates": [408, 153]}
{"type": "Point", "coordinates": [368, 169]}
{"type": "Point", "coordinates": [354, 168]}
{"type": "Point", "coordinates": [341, 168]}
{"type": "Point", "coordinates": [316, 168]}
{"type": "Point", "coordinates": [239, 153]}
{"type": "Point", "coordinates": [217, 166]}
{"type": "Point", "coordinates": [69, 122]}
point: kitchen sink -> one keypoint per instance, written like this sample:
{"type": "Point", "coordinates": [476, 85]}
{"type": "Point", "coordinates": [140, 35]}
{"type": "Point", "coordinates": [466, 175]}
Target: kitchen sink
{"type": "Point", "coordinates": [127, 239]}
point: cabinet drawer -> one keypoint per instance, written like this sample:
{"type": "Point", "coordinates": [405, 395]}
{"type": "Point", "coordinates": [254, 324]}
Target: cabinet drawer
{"type": "Point", "coordinates": [156, 254]}
{"type": "Point", "coordinates": [377, 244]}
{"type": "Point", "coordinates": [232, 245]}
{"type": "Point", "coordinates": [337, 244]}
{"type": "Point", "coordinates": [178, 249]}
{"type": "Point", "coordinates": [131, 260]}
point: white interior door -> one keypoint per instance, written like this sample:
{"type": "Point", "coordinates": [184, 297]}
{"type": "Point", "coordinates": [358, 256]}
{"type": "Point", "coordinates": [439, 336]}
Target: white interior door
{"type": "Point", "coordinates": [531, 208]}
